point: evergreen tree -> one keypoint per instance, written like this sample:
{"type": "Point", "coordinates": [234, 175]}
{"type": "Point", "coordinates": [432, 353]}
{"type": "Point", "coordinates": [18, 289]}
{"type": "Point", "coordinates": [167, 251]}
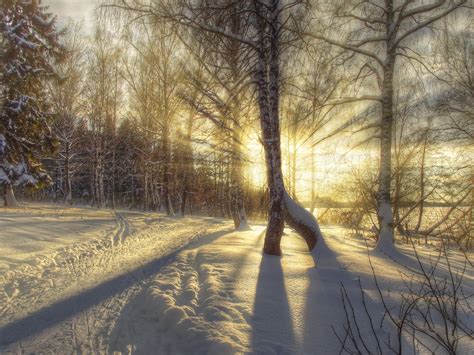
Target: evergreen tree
{"type": "Point", "coordinates": [29, 43]}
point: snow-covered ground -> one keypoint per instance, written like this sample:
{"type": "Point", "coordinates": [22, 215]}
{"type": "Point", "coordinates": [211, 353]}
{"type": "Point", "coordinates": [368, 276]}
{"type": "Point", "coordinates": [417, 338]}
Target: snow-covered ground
{"type": "Point", "coordinates": [65, 294]}
{"type": "Point", "coordinates": [226, 297]}
{"type": "Point", "coordinates": [140, 283]}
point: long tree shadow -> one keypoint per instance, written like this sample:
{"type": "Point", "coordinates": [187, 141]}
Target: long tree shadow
{"type": "Point", "coordinates": [245, 256]}
{"type": "Point", "coordinates": [325, 315]}
{"type": "Point", "coordinates": [272, 325]}
{"type": "Point", "coordinates": [67, 308]}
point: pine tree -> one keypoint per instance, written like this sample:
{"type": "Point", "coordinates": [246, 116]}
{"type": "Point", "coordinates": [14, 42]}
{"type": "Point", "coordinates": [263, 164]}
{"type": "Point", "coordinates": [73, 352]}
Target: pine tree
{"type": "Point", "coordinates": [29, 49]}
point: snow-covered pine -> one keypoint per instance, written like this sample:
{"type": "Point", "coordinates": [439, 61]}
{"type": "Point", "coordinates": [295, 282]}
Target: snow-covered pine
{"type": "Point", "coordinates": [29, 43]}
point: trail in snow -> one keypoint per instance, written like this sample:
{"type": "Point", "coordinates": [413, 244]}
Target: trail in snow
{"type": "Point", "coordinates": [71, 300]}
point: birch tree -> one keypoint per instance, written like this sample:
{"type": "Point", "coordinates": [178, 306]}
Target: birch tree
{"type": "Point", "coordinates": [66, 97]}
{"type": "Point", "coordinates": [101, 91]}
{"type": "Point", "coordinates": [382, 33]}
{"type": "Point", "coordinates": [266, 21]}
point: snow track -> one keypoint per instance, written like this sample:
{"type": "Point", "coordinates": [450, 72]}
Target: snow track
{"type": "Point", "coordinates": [124, 228]}
{"type": "Point", "coordinates": [188, 309]}
{"type": "Point", "coordinates": [68, 300]}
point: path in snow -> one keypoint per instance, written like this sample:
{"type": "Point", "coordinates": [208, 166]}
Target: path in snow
{"type": "Point", "coordinates": [65, 300]}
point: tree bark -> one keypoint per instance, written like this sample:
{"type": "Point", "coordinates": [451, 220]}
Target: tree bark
{"type": "Point", "coordinates": [268, 100]}
{"type": "Point", "coordinates": [236, 189]}
{"type": "Point", "coordinates": [384, 204]}
{"type": "Point", "coordinates": [302, 221]}
{"type": "Point", "coordinates": [165, 148]}
{"type": "Point", "coordinates": [186, 166]}
{"type": "Point", "coordinates": [9, 196]}
{"type": "Point", "coordinates": [67, 173]}
{"type": "Point", "coordinates": [422, 185]}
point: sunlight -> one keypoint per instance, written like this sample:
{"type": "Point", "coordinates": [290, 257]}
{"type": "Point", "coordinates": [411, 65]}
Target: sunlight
{"type": "Point", "coordinates": [236, 177]}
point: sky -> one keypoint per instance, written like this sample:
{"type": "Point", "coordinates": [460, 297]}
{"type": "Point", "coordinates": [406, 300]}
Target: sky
{"type": "Point", "coordinates": [76, 9]}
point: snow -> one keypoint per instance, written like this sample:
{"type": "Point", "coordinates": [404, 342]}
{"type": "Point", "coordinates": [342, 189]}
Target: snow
{"type": "Point", "coordinates": [3, 176]}
{"type": "Point", "coordinates": [33, 232]}
{"type": "Point", "coordinates": [226, 298]}
{"type": "Point", "coordinates": [141, 283]}
{"type": "Point", "coordinates": [302, 216]}
{"type": "Point", "coordinates": [54, 257]}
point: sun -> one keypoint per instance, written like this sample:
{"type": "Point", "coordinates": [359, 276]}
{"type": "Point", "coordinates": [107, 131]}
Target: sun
{"type": "Point", "coordinates": [255, 170]}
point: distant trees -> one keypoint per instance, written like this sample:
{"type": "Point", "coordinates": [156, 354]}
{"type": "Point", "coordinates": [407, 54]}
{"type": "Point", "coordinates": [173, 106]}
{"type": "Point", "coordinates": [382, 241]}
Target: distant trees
{"type": "Point", "coordinates": [102, 95]}
{"type": "Point", "coordinates": [220, 92]}
{"type": "Point", "coordinates": [29, 48]}
{"type": "Point", "coordinates": [66, 97]}
{"type": "Point", "coordinates": [154, 84]}
{"type": "Point", "coordinates": [454, 55]}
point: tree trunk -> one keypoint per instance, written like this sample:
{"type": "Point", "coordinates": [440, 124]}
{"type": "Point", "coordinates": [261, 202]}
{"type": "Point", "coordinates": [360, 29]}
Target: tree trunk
{"type": "Point", "coordinates": [282, 207]}
{"type": "Point", "coordinates": [236, 181]}
{"type": "Point", "coordinates": [303, 222]}
{"type": "Point", "coordinates": [313, 178]}
{"type": "Point", "coordinates": [9, 196]}
{"type": "Point", "coordinates": [166, 163]}
{"type": "Point", "coordinates": [67, 173]}
{"type": "Point", "coordinates": [268, 101]}
{"type": "Point", "coordinates": [113, 176]}
{"type": "Point", "coordinates": [384, 204]}
{"type": "Point", "coordinates": [422, 186]}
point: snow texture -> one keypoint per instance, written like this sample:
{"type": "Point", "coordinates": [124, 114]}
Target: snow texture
{"type": "Point", "coordinates": [144, 288]}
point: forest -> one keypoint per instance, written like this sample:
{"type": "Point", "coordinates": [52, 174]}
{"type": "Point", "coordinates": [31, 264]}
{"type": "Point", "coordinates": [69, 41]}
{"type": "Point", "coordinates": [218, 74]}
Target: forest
{"type": "Point", "coordinates": [335, 121]}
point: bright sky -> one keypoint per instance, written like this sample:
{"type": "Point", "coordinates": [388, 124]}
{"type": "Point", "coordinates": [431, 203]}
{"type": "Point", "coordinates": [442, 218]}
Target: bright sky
{"type": "Point", "coordinates": [75, 9]}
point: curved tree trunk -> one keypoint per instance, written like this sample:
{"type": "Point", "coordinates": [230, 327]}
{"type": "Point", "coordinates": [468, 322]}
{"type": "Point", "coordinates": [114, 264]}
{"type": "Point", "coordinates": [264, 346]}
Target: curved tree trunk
{"type": "Point", "coordinates": [9, 196]}
{"type": "Point", "coordinates": [302, 221]}
{"type": "Point", "coordinates": [282, 207]}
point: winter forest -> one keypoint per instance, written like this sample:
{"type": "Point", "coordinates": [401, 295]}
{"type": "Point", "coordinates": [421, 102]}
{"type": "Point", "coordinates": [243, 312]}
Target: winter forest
{"type": "Point", "coordinates": [236, 177]}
